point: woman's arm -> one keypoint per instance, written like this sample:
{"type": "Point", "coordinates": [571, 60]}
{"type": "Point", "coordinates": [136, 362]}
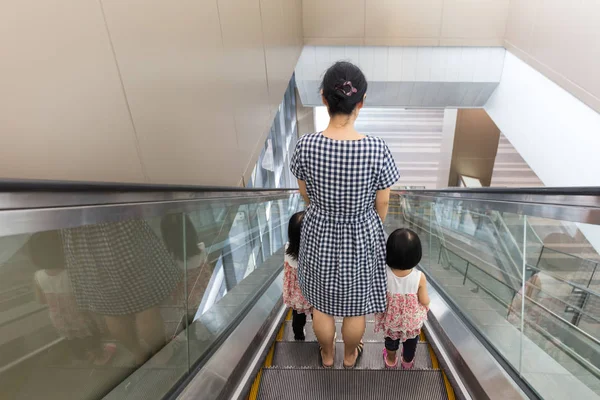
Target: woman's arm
{"type": "Point", "coordinates": [39, 295]}
{"type": "Point", "coordinates": [422, 292]}
{"type": "Point", "coordinates": [382, 202]}
{"type": "Point", "coordinates": [303, 192]}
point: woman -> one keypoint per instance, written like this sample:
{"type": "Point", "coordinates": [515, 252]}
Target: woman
{"type": "Point", "coordinates": [345, 178]}
{"type": "Point", "coordinates": [122, 271]}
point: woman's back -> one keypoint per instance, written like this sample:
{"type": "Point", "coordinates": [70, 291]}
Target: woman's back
{"type": "Point", "coordinates": [343, 176]}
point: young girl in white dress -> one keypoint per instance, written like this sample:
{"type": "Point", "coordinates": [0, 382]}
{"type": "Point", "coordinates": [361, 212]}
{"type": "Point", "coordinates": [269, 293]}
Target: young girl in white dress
{"type": "Point", "coordinates": [407, 299]}
{"type": "Point", "coordinates": [80, 329]}
{"type": "Point", "coordinates": [292, 295]}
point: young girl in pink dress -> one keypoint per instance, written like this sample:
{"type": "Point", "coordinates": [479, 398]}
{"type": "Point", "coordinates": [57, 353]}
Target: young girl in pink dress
{"type": "Point", "coordinates": [292, 296]}
{"type": "Point", "coordinates": [407, 299]}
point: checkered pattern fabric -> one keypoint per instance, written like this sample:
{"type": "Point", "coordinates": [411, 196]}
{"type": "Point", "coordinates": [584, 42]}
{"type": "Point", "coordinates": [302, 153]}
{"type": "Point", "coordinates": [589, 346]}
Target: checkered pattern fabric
{"type": "Point", "coordinates": [341, 266]}
{"type": "Point", "coordinates": [118, 268]}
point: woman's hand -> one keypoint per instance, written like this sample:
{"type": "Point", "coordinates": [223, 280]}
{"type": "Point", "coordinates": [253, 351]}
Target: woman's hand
{"type": "Point", "coordinates": [303, 192]}
{"type": "Point", "coordinates": [382, 202]}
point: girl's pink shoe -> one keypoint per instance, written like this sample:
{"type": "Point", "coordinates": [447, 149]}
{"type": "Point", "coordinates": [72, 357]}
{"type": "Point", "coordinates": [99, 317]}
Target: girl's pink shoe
{"type": "Point", "coordinates": [408, 365]}
{"type": "Point", "coordinates": [394, 365]}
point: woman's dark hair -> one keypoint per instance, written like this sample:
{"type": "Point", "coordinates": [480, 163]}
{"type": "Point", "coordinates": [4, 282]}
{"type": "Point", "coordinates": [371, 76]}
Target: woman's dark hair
{"type": "Point", "coordinates": [344, 86]}
{"type": "Point", "coordinates": [294, 235]}
{"type": "Point", "coordinates": [46, 250]}
{"type": "Point", "coordinates": [403, 249]}
{"type": "Point", "coordinates": [171, 228]}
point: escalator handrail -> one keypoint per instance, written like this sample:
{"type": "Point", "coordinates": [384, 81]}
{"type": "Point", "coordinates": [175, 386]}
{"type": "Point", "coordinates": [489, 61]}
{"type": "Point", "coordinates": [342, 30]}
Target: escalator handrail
{"type": "Point", "coordinates": [33, 185]}
{"type": "Point", "coordinates": [38, 194]}
{"type": "Point", "coordinates": [547, 191]}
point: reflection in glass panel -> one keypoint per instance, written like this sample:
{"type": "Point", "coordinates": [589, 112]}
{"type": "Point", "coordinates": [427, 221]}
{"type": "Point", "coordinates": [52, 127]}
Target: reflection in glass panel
{"type": "Point", "coordinates": [113, 310]}
{"type": "Point", "coordinates": [468, 266]}
{"type": "Point", "coordinates": [478, 263]}
{"type": "Point", "coordinates": [243, 258]}
{"type": "Point", "coordinates": [93, 304]}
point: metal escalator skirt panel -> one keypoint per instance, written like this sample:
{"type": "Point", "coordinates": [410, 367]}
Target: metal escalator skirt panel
{"type": "Point", "coordinates": [340, 384]}
{"type": "Point", "coordinates": [305, 355]}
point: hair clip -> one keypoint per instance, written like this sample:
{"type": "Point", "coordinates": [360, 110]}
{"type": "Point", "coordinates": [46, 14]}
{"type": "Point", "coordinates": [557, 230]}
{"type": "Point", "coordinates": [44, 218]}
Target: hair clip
{"type": "Point", "coordinates": [348, 92]}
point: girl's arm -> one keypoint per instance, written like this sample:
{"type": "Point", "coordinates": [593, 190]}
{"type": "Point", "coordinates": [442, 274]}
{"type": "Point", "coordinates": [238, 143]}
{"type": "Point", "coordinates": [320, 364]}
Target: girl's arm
{"type": "Point", "coordinates": [303, 192]}
{"type": "Point", "coordinates": [422, 292]}
{"type": "Point", "coordinates": [382, 202]}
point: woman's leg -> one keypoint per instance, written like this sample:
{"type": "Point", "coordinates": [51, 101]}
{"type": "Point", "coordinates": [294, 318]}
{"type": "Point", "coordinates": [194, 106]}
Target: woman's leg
{"type": "Point", "coordinates": [324, 326]}
{"type": "Point", "coordinates": [122, 328]}
{"type": "Point", "coordinates": [151, 328]}
{"type": "Point", "coordinates": [353, 329]}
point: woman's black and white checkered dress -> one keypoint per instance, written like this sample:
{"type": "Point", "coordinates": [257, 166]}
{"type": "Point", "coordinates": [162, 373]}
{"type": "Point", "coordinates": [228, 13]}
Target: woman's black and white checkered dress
{"type": "Point", "coordinates": [118, 268]}
{"type": "Point", "coordinates": [341, 266]}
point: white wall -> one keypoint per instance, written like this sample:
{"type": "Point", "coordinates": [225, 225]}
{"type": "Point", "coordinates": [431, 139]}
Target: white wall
{"type": "Point", "coordinates": [416, 77]}
{"type": "Point", "coordinates": [557, 135]}
{"type": "Point", "coordinates": [321, 118]}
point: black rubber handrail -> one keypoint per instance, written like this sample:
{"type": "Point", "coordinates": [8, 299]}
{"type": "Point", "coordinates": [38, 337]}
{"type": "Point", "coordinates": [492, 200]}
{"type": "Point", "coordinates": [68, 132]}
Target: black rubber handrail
{"type": "Point", "coordinates": [15, 185]}
{"type": "Point", "coordinates": [550, 191]}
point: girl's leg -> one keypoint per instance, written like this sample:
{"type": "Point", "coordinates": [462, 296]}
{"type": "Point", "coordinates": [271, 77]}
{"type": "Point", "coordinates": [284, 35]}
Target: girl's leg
{"type": "Point", "coordinates": [391, 347]}
{"type": "Point", "coordinates": [353, 329]}
{"type": "Point", "coordinates": [324, 326]}
{"type": "Point", "coordinates": [298, 323]}
{"type": "Point", "coordinates": [409, 348]}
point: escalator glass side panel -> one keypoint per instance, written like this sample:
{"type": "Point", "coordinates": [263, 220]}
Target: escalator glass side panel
{"type": "Point", "coordinates": [114, 306]}
{"type": "Point", "coordinates": [516, 277]}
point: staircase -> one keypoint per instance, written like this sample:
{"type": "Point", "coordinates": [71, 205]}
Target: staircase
{"type": "Point", "coordinates": [292, 371]}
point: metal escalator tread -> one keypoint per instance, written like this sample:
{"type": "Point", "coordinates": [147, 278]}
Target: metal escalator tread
{"type": "Point", "coordinates": [341, 384]}
{"type": "Point", "coordinates": [305, 354]}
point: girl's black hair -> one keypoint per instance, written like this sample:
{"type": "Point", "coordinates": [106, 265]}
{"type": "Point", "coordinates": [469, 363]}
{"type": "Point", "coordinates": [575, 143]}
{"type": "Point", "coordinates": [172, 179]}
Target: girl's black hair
{"type": "Point", "coordinates": [171, 228]}
{"type": "Point", "coordinates": [294, 235]}
{"type": "Point", "coordinates": [404, 249]}
{"type": "Point", "coordinates": [46, 250]}
{"type": "Point", "coordinates": [344, 86]}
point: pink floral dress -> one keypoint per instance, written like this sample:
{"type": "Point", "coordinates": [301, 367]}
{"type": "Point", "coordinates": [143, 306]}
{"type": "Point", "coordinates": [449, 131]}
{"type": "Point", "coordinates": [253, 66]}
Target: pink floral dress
{"type": "Point", "coordinates": [404, 316]}
{"type": "Point", "coordinates": [292, 295]}
{"type": "Point", "coordinates": [66, 317]}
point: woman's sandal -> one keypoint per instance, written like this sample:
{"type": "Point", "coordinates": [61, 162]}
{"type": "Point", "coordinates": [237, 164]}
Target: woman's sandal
{"type": "Point", "coordinates": [321, 354]}
{"type": "Point", "coordinates": [359, 349]}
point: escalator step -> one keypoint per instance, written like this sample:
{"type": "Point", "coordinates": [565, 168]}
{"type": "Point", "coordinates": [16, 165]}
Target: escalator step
{"type": "Point", "coordinates": [369, 318]}
{"type": "Point", "coordinates": [315, 384]}
{"type": "Point", "coordinates": [369, 336]}
{"type": "Point", "coordinates": [306, 354]}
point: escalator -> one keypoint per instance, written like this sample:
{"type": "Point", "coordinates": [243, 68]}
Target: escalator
{"type": "Point", "coordinates": [291, 371]}
{"type": "Point", "coordinates": [220, 331]}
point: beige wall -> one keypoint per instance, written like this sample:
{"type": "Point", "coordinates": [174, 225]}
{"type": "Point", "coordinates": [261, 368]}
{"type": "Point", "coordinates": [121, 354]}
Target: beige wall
{"type": "Point", "coordinates": [560, 39]}
{"type": "Point", "coordinates": [182, 91]}
{"type": "Point", "coordinates": [475, 146]}
{"type": "Point", "coordinates": [405, 22]}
